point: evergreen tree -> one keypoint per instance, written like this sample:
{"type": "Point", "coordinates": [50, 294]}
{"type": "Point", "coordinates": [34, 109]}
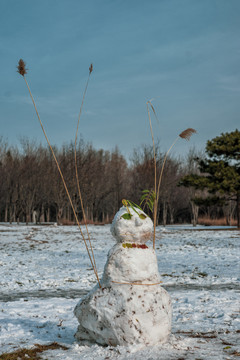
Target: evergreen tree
{"type": "Point", "coordinates": [219, 171]}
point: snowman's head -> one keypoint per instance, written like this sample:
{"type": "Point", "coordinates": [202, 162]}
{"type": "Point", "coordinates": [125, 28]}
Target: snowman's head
{"type": "Point", "coordinates": [131, 227]}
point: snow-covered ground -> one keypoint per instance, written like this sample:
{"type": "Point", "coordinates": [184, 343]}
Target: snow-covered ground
{"type": "Point", "coordinates": [44, 271]}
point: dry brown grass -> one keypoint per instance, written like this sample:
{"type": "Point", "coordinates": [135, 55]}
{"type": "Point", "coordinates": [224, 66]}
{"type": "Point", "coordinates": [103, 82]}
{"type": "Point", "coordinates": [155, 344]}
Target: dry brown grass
{"type": "Point", "coordinates": [207, 221]}
{"type": "Point", "coordinates": [95, 222]}
{"type": "Point", "coordinates": [186, 134]}
{"type": "Point", "coordinates": [22, 71]}
{"type": "Point", "coordinates": [31, 354]}
{"type": "Point", "coordinates": [76, 171]}
{"type": "Point", "coordinates": [67, 222]}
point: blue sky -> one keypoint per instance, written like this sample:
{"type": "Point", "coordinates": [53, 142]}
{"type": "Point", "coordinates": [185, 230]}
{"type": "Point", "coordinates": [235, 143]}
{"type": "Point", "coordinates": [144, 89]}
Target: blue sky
{"type": "Point", "coordinates": [184, 54]}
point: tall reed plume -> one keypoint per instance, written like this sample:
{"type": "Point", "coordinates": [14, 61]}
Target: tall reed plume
{"type": "Point", "coordinates": [76, 167]}
{"type": "Point", "coordinates": [186, 134]}
{"type": "Point", "coordinates": [21, 68]}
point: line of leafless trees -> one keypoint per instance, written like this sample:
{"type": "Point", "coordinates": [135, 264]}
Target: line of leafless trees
{"type": "Point", "coordinates": [31, 189]}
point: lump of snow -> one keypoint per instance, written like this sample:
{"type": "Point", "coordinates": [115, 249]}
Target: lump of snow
{"type": "Point", "coordinates": [135, 229]}
{"type": "Point", "coordinates": [130, 307]}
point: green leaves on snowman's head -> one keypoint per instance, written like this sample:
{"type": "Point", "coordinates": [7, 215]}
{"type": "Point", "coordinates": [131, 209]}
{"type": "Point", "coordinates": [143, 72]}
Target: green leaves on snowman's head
{"type": "Point", "coordinates": [126, 216]}
{"type": "Point", "coordinates": [133, 206]}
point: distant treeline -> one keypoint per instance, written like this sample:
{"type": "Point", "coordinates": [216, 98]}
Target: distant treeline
{"type": "Point", "coordinates": [31, 189]}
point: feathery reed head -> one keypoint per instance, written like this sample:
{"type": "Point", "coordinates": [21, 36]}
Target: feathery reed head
{"type": "Point", "coordinates": [90, 68]}
{"type": "Point", "coordinates": [186, 134]}
{"type": "Point", "coordinates": [21, 67]}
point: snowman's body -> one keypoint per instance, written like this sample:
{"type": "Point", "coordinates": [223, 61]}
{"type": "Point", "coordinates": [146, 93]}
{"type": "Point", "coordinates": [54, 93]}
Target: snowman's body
{"type": "Point", "coordinates": [131, 307]}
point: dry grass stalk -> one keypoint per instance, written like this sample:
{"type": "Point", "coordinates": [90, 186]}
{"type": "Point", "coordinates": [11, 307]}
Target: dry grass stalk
{"type": "Point", "coordinates": [76, 168]}
{"type": "Point", "coordinates": [155, 171]}
{"type": "Point", "coordinates": [21, 67]}
{"type": "Point", "coordinates": [186, 134]}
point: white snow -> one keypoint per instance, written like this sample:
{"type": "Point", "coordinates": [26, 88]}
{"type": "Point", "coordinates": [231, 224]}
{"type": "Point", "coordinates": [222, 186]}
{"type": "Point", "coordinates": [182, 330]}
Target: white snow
{"type": "Point", "coordinates": [123, 314]}
{"type": "Point", "coordinates": [126, 265]}
{"type": "Point", "coordinates": [45, 270]}
{"type": "Point", "coordinates": [133, 230]}
{"type": "Point", "coordinates": [130, 307]}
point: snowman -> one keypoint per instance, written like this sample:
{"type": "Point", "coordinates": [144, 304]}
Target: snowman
{"type": "Point", "coordinates": [131, 307]}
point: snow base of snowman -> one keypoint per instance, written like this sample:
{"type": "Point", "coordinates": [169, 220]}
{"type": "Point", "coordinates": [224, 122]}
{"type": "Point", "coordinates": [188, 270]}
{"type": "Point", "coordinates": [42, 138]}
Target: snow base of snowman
{"type": "Point", "coordinates": [130, 307]}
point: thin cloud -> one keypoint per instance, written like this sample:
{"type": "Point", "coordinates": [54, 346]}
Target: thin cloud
{"type": "Point", "coordinates": [230, 83]}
